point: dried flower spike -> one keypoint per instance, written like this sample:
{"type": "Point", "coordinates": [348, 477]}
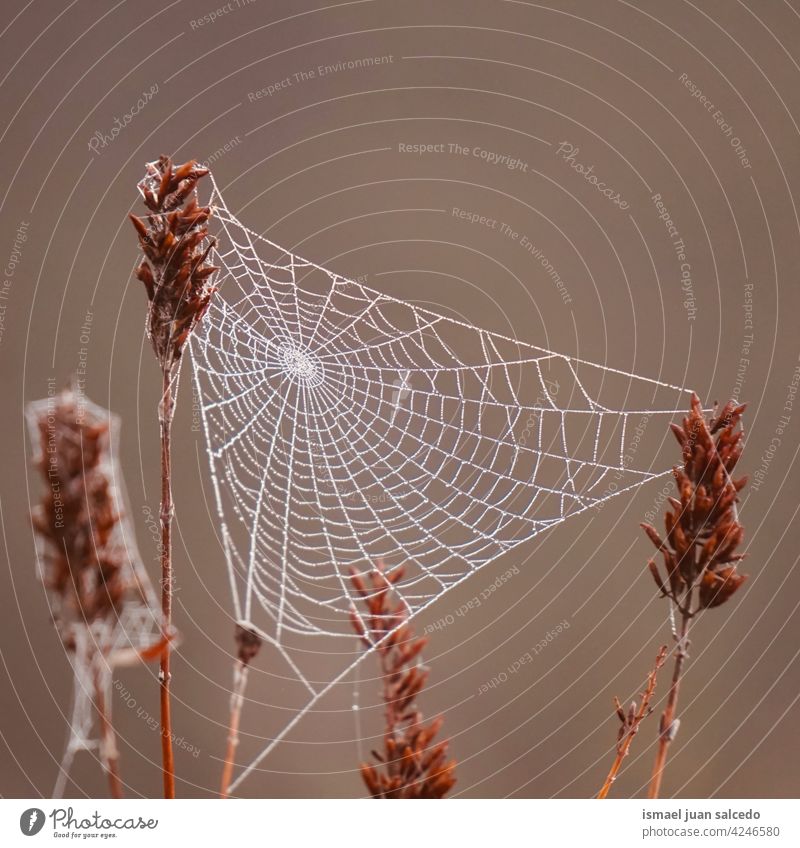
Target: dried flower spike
{"type": "Point", "coordinates": [175, 246]}
{"type": "Point", "coordinates": [702, 528]}
{"type": "Point", "coordinates": [702, 534]}
{"type": "Point", "coordinates": [411, 764]}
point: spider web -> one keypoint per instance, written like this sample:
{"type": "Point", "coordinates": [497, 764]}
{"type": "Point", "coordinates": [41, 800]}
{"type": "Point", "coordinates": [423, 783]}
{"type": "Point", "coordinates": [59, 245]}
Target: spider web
{"type": "Point", "coordinates": [346, 427]}
{"type": "Point", "coordinates": [96, 649]}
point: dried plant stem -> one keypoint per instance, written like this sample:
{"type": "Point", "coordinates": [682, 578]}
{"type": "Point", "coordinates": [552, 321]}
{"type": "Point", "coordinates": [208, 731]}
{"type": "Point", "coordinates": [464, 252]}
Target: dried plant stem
{"type": "Point", "coordinates": [631, 721]}
{"type": "Point", "coordinates": [614, 770]}
{"type": "Point", "coordinates": [248, 642]}
{"type": "Point", "coordinates": [166, 410]}
{"type": "Point", "coordinates": [109, 751]}
{"type": "Point", "coordinates": [237, 699]}
{"type": "Point", "coordinates": [669, 723]}
{"type": "Point", "coordinates": [174, 242]}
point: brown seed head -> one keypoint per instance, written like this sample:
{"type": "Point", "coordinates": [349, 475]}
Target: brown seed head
{"type": "Point", "coordinates": [175, 246]}
{"type": "Point", "coordinates": [702, 530]}
{"type": "Point", "coordinates": [411, 764]}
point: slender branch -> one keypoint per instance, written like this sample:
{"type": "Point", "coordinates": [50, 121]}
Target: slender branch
{"type": "Point", "coordinates": [108, 744]}
{"type": "Point", "coordinates": [237, 700]}
{"type": "Point", "coordinates": [668, 727]}
{"type": "Point", "coordinates": [631, 721]}
{"type": "Point", "coordinates": [249, 643]}
{"type": "Point", "coordinates": [166, 409]}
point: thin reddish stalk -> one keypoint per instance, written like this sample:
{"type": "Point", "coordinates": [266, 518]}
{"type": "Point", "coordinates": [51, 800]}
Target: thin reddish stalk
{"type": "Point", "coordinates": [631, 722]}
{"type": "Point", "coordinates": [668, 726]}
{"type": "Point", "coordinates": [614, 770]}
{"type": "Point", "coordinates": [166, 410]}
{"type": "Point", "coordinates": [237, 699]}
{"type": "Point", "coordinates": [248, 642]}
{"type": "Point", "coordinates": [173, 237]}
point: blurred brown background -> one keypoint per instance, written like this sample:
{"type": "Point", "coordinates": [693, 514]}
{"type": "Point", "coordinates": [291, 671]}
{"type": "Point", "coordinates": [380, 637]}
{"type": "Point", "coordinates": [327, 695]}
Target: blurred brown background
{"type": "Point", "coordinates": [317, 165]}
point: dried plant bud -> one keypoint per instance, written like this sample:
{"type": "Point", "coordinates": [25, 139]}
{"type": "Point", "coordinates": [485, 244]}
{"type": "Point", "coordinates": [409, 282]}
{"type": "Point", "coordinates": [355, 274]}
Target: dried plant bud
{"type": "Point", "coordinates": [702, 527]}
{"type": "Point", "coordinates": [175, 246]}
{"type": "Point", "coordinates": [410, 766]}
{"type": "Point", "coordinates": [657, 577]}
{"type": "Point", "coordinates": [718, 586]}
{"type": "Point", "coordinates": [248, 642]}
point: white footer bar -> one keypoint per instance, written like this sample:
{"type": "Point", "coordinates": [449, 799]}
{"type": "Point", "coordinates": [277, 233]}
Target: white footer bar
{"type": "Point", "coordinates": [351, 824]}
